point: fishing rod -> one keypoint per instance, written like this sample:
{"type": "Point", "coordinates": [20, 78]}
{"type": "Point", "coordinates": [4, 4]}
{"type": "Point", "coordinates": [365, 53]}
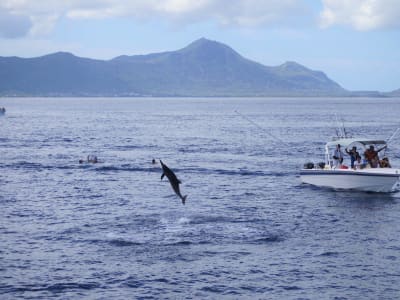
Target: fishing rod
{"type": "Point", "coordinates": [393, 135]}
{"type": "Point", "coordinates": [342, 130]}
{"type": "Point", "coordinates": [391, 138]}
{"type": "Point", "coordinates": [260, 127]}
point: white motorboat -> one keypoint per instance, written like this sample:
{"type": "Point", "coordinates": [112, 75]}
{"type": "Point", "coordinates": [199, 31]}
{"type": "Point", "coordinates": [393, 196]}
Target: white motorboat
{"type": "Point", "coordinates": [367, 179]}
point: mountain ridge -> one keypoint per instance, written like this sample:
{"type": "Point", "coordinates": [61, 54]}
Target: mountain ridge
{"type": "Point", "coordinates": [202, 68]}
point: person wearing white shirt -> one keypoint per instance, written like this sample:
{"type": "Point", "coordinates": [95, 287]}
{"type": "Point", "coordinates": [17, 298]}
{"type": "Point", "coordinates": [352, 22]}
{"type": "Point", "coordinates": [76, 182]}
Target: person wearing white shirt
{"type": "Point", "coordinates": [337, 156]}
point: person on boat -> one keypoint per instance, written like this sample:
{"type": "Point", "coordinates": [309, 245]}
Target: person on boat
{"type": "Point", "coordinates": [384, 163]}
{"type": "Point", "coordinates": [371, 155]}
{"type": "Point", "coordinates": [337, 156]}
{"type": "Point", "coordinates": [359, 164]}
{"type": "Point", "coordinates": [92, 159]}
{"type": "Point", "coordinates": [353, 155]}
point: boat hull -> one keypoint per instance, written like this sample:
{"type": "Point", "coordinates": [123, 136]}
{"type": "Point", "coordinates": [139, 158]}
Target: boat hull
{"type": "Point", "coordinates": [368, 180]}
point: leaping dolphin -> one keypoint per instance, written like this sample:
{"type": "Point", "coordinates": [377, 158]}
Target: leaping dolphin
{"type": "Point", "coordinates": [173, 180]}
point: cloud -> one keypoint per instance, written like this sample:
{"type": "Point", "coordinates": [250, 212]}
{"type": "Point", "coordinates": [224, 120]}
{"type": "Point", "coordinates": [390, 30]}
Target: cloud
{"type": "Point", "coordinates": [44, 14]}
{"type": "Point", "coordinates": [362, 15]}
{"type": "Point", "coordinates": [38, 18]}
{"type": "Point", "coordinates": [236, 12]}
{"type": "Point", "coordinates": [13, 26]}
{"type": "Point", "coordinates": [21, 18]}
{"type": "Point", "coordinates": [256, 12]}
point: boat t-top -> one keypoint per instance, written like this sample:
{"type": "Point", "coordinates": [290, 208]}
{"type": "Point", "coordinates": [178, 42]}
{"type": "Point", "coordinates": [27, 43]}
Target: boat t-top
{"type": "Point", "coordinates": [337, 172]}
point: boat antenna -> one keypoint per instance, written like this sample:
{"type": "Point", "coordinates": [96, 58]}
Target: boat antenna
{"type": "Point", "coordinates": [260, 127]}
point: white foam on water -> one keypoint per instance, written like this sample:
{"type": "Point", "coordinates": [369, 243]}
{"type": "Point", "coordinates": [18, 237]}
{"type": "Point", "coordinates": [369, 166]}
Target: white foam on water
{"type": "Point", "coordinates": [184, 221]}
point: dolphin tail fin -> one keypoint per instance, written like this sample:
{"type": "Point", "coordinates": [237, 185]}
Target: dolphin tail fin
{"type": "Point", "coordinates": [162, 176]}
{"type": "Point", "coordinates": [184, 199]}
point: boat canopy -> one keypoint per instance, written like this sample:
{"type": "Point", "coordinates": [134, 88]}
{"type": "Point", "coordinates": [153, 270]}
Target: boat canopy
{"type": "Point", "coordinates": [349, 141]}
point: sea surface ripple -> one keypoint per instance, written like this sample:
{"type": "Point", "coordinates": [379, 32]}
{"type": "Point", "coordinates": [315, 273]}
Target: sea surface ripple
{"type": "Point", "coordinates": [249, 229]}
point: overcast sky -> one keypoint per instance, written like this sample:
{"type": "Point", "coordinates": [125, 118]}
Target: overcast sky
{"type": "Point", "coordinates": [355, 42]}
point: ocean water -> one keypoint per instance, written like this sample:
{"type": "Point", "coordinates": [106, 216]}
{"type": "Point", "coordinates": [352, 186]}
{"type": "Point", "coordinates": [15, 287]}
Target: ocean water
{"type": "Point", "coordinates": [249, 229]}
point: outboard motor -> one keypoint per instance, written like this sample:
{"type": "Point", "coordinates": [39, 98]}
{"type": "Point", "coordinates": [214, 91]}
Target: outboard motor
{"type": "Point", "coordinates": [309, 165]}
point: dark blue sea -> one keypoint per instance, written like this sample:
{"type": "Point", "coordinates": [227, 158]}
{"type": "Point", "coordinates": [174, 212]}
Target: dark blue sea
{"type": "Point", "coordinates": [249, 229]}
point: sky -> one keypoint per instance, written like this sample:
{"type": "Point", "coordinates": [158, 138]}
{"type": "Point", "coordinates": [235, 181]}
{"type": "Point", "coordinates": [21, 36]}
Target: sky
{"type": "Point", "coordinates": [355, 42]}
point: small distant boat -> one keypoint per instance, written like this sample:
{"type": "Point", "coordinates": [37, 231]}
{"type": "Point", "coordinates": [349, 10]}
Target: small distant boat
{"type": "Point", "coordinates": [367, 179]}
{"type": "Point", "coordinates": [91, 159]}
{"type": "Point", "coordinates": [2, 111]}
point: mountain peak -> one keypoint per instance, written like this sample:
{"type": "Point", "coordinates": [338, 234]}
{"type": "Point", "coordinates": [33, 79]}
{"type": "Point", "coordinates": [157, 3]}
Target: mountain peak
{"type": "Point", "coordinates": [209, 46]}
{"type": "Point", "coordinates": [201, 42]}
{"type": "Point", "coordinates": [292, 66]}
{"type": "Point", "coordinates": [61, 54]}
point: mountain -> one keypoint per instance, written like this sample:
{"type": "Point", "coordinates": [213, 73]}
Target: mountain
{"type": "Point", "coordinates": [395, 93]}
{"type": "Point", "coordinates": [203, 68]}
